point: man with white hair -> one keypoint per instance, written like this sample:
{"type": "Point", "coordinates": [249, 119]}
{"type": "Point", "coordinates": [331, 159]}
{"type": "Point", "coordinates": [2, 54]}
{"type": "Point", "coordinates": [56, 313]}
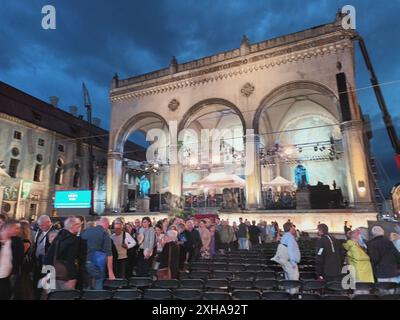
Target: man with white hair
{"type": "Point", "coordinates": [169, 257]}
{"type": "Point", "coordinates": [99, 255]}
{"type": "Point", "coordinates": [384, 256]}
{"type": "Point", "coordinates": [64, 254]}
{"type": "Point", "coordinates": [41, 244]}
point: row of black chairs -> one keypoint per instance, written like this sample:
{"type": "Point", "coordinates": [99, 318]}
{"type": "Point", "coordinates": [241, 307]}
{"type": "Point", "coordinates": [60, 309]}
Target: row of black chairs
{"type": "Point", "coordinates": [245, 275]}
{"type": "Point", "coordinates": [196, 294]}
{"type": "Point", "coordinates": [237, 284]}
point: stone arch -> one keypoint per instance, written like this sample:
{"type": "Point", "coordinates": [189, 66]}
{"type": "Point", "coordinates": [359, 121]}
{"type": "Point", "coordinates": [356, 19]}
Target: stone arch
{"type": "Point", "coordinates": [131, 125]}
{"type": "Point", "coordinates": [199, 105]}
{"type": "Point", "coordinates": [273, 97]}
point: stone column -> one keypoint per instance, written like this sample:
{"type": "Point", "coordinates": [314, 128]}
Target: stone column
{"type": "Point", "coordinates": [175, 172]}
{"type": "Point", "coordinates": [356, 164]}
{"type": "Point", "coordinates": [253, 176]}
{"type": "Point", "coordinates": [114, 180]}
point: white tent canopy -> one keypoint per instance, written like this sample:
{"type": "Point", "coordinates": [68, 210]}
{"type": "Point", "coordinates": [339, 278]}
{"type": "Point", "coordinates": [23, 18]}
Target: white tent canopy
{"type": "Point", "coordinates": [220, 180]}
{"type": "Point", "coordinates": [278, 182]}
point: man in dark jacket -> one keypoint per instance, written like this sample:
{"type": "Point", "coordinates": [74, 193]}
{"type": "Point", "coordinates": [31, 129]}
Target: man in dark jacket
{"type": "Point", "coordinates": [254, 233]}
{"type": "Point", "coordinates": [65, 252]}
{"type": "Point", "coordinates": [11, 257]}
{"type": "Point", "coordinates": [194, 241]}
{"type": "Point", "coordinates": [242, 234]}
{"type": "Point", "coordinates": [329, 256]}
{"type": "Point", "coordinates": [384, 257]}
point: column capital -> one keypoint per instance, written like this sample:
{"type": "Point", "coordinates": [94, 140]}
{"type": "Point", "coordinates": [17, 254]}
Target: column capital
{"type": "Point", "coordinates": [115, 155]}
{"type": "Point", "coordinates": [355, 125]}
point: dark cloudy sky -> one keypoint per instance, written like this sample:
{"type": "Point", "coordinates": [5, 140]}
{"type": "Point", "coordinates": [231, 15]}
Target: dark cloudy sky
{"type": "Point", "coordinates": [95, 39]}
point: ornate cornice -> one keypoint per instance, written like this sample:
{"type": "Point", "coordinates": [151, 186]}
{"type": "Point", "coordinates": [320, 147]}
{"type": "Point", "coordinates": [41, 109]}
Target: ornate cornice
{"type": "Point", "coordinates": [252, 63]}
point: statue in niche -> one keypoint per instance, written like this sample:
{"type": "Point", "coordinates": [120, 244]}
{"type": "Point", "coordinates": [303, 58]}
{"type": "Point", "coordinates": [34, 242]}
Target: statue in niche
{"type": "Point", "coordinates": [301, 177]}
{"type": "Point", "coordinates": [229, 199]}
{"type": "Point", "coordinates": [144, 187]}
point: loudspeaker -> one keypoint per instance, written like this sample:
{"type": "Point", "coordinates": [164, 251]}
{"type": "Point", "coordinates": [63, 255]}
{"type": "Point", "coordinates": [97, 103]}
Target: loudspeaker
{"type": "Point", "coordinates": [343, 96]}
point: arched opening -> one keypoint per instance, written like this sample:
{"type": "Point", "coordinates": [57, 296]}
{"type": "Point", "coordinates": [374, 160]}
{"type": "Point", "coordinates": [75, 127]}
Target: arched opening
{"type": "Point", "coordinates": [212, 148]}
{"type": "Point", "coordinates": [131, 164]}
{"type": "Point", "coordinates": [298, 126]}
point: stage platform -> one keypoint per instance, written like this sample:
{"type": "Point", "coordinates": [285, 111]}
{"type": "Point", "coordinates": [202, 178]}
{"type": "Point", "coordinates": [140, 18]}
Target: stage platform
{"type": "Point", "coordinates": [305, 220]}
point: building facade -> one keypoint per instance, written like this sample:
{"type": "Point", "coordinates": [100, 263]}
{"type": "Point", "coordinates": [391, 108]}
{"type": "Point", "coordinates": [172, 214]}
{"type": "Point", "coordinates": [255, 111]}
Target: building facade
{"type": "Point", "coordinates": [44, 149]}
{"type": "Point", "coordinates": [296, 93]}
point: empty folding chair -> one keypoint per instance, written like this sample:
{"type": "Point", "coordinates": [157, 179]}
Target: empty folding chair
{"type": "Point", "coordinates": [200, 275]}
{"type": "Point", "coordinates": [212, 295]}
{"type": "Point", "coordinates": [266, 284]}
{"type": "Point", "coordinates": [140, 282]}
{"type": "Point", "coordinates": [236, 261]}
{"type": "Point", "coordinates": [198, 266]}
{"type": "Point", "coordinates": [386, 287]}
{"type": "Point", "coordinates": [364, 288]}
{"type": "Point", "coordinates": [115, 284]}
{"type": "Point", "coordinates": [236, 267]}
{"type": "Point", "coordinates": [275, 295]}
{"type": "Point", "coordinates": [223, 274]}
{"type": "Point", "coordinates": [157, 294]}
{"type": "Point", "coordinates": [183, 275]}
{"type": "Point", "coordinates": [365, 297]}
{"type": "Point", "coordinates": [307, 275]}
{"type": "Point", "coordinates": [187, 294]}
{"type": "Point", "coordinates": [292, 286]}
{"type": "Point", "coordinates": [166, 284]}
{"type": "Point", "coordinates": [241, 284]}
{"type": "Point", "coordinates": [244, 275]}
{"type": "Point", "coordinates": [306, 296]}
{"type": "Point", "coordinates": [255, 267]}
{"type": "Point", "coordinates": [217, 266]}
{"type": "Point", "coordinates": [313, 285]}
{"type": "Point", "coordinates": [246, 295]}
{"type": "Point", "coordinates": [217, 284]}
{"type": "Point", "coordinates": [265, 275]}
{"type": "Point", "coordinates": [192, 284]}
{"type": "Point", "coordinates": [390, 297]}
{"type": "Point", "coordinates": [64, 295]}
{"type": "Point", "coordinates": [252, 261]}
{"type": "Point", "coordinates": [335, 297]}
{"type": "Point", "coordinates": [336, 287]}
{"type": "Point", "coordinates": [127, 294]}
{"type": "Point", "coordinates": [96, 295]}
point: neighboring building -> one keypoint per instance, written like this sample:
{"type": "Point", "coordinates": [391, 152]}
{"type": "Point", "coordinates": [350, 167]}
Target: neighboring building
{"type": "Point", "coordinates": [44, 149]}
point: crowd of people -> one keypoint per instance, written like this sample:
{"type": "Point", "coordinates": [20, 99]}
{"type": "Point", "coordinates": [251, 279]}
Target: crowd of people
{"type": "Point", "coordinates": [84, 254]}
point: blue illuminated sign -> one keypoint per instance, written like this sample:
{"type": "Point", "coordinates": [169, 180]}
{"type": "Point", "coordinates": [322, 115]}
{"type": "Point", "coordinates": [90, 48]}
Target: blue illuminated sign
{"type": "Point", "coordinates": [73, 199]}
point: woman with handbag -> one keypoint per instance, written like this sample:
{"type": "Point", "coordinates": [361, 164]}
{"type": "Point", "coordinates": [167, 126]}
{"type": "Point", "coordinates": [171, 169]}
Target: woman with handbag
{"type": "Point", "coordinates": [169, 257]}
{"type": "Point", "coordinates": [64, 254]}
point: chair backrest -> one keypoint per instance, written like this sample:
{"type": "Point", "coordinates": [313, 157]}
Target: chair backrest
{"type": "Point", "coordinates": [266, 284]}
{"type": "Point", "coordinates": [265, 275]}
{"type": "Point", "coordinates": [365, 297]}
{"type": "Point", "coordinates": [335, 297]}
{"type": "Point", "coordinates": [245, 275]}
{"type": "Point", "coordinates": [192, 284]}
{"type": "Point", "coordinates": [217, 266]}
{"type": "Point", "coordinates": [157, 294]}
{"type": "Point", "coordinates": [236, 267]}
{"type": "Point", "coordinates": [221, 284]}
{"type": "Point", "coordinates": [200, 275]}
{"type": "Point", "coordinates": [289, 284]}
{"type": "Point", "coordinates": [306, 296]}
{"type": "Point", "coordinates": [127, 294]}
{"type": "Point", "coordinates": [166, 284]}
{"type": "Point", "coordinates": [275, 295]}
{"type": "Point", "coordinates": [140, 282]}
{"type": "Point", "coordinates": [256, 267]}
{"type": "Point", "coordinates": [211, 295]}
{"type": "Point", "coordinates": [115, 284]}
{"type": "Point", "coordinates": [64, 295]}
{"type": "Point", "coordinates": [187, 294]}
{"type": "Point", "coordinates": [223, 274]}
{"type": "Point", "coordinates": [386, 285]}
{"type": "Point", "coordinates": [365, 286]}
{"type": "Point", "coordinates": [96, 295]}
{"type": "Point", "coordinates": [390, 297]}
{"type": "Point", "coordinates": [246, 295]}
{"type": "Point", "coordinates": [307, 275]}
{"type": "Point", "coordinates": [310, 285]}
{"type": "Point", "coordinates": [241, 284]}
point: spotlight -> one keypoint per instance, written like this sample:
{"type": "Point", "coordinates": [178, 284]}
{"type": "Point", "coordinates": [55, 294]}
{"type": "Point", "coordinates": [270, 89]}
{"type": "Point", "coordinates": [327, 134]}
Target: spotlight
{"type": "Point", "coordinates": [300, 150]}
{"type": "Point", "coordinates": [316, 148]}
